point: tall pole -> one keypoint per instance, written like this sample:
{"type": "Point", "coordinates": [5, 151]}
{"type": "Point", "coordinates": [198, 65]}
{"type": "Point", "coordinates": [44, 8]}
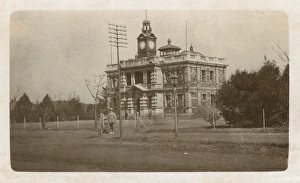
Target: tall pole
{"type": "Point", "coordinates": [118, 33]}
{"type": "Point", "coordinates": [186, 35]}
{"type": "Point", "coordinates": [119, 89]}
{"type": "Point", "coordinates": [175, 115]}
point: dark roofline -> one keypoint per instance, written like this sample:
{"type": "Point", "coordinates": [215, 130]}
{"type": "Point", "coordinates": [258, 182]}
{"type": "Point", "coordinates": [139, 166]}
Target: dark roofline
{"type": "Point", "coordinates": [169, 47]}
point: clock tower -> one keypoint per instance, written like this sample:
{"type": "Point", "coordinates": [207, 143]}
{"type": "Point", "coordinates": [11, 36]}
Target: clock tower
{"type": "Point", "coordinates": [146, 42]}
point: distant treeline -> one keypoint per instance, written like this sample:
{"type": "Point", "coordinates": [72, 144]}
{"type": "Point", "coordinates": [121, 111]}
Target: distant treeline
{"type": "Point", "coordinates": [48, 110]}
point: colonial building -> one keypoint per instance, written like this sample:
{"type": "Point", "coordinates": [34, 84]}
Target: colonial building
{"type": "Point", "coordinates": [145, 81]}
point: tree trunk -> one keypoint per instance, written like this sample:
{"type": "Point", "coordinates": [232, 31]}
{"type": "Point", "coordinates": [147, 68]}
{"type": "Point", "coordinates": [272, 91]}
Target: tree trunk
{"type": "Point", "coordinates": [95, 124]}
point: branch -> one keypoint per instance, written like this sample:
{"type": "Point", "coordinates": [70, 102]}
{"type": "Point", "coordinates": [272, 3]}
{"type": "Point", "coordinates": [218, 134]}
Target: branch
{"type": "Point", "coordinates": [281, 53]}
{"type": "Point", "coordinates": [96, 89]}
{"type": "Point", "coordinates": [87, 83]}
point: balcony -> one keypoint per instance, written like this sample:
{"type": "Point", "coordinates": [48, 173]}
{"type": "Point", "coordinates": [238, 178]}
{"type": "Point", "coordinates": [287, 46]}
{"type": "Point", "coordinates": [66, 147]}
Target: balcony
{"type": "Point", "coordinates": [166, 59]}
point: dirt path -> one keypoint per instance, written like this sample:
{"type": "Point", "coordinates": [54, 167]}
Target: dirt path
{"type": "Point", "coordinates": [86, 151]}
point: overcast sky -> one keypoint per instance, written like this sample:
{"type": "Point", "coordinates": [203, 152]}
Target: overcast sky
{"type": "Point", "coordinates": [55, 51]}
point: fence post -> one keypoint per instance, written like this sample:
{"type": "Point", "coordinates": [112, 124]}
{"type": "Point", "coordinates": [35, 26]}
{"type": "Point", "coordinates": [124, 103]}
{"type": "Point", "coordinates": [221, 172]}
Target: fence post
{"type": "Point", "coordinates": [264, 121]}
{"type": "Point", "coordinates": [24, 125]}
{"type": "Point", "coordinates": [138, 123]}
{"type": "Point", "coordinates": [135, 118]}
{"type": "Point", "coordinates": [213, 115]}
{"type": "Point", "coordinates": [57, 125]}
{"type": "Point", "coordinates": [40, 123]}
{"type": "Point", "coordinates": [78, 122]}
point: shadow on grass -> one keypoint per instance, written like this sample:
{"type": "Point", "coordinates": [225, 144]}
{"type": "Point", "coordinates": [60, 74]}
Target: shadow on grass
{"type": "Point", "coordinates": [219, 127]}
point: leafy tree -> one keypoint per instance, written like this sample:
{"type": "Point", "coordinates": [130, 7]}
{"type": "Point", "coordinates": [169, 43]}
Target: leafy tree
{"type": "Point", "coordinates": [90, 111]}
{"type": "Point", "coordinates": [242, 98]}
{"type": "Point", "coordinates": [237, 97]}
{"type": "Point", "coordinates": [74, 108]}
{"type": "Point", "coordinates": [59, 110]}
{"type": "Point", "coordinates": [23, 109]}
{"type": "Point", "coordinates": [268, 90]}
{"type": "Point", "coordinates": [283, 114]}
{"type": "Point", "coordinates": [46, 109]}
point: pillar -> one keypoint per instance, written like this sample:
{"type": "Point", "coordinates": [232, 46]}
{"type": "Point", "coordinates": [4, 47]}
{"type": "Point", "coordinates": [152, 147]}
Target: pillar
{"type": "Point", "coordinates": [108, 82]}
{"type": "Point", "coordinates": [188, 103]}
{"type": "Point", "coordinates": [132, 78]}
{"type": "Point", "coordinates": [144, 77]}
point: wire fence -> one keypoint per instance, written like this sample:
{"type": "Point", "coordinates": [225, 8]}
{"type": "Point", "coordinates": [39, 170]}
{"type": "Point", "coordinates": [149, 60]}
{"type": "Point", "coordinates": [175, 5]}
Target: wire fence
{"type": "Point", "coordinates": [138, 124]}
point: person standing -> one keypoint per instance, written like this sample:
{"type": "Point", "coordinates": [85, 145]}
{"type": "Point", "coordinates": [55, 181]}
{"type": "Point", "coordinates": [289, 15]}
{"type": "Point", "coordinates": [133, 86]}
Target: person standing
{"type": "Point", "coordinates": [112, 119]}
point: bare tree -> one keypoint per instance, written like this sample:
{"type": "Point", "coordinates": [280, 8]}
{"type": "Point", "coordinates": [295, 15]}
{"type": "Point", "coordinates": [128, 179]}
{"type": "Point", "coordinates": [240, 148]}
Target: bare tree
{"type": "Point", "coordinates": [183, 80]}
{"type": "Point", "coordinates": [283, 55]}
{"type": "Point", "coordinates": [96, 90]}
{"type": "Point", "coordinates": [15, 93]}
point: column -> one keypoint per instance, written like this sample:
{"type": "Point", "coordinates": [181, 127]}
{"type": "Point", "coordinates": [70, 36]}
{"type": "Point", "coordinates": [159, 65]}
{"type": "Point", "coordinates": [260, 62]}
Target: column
{"type": "Point", "coordinates": [130, 106]}
{"type": "Point", "coordinates": [144, 77]}
{"type": "Point", "coordinates": [188, 74]}
{"type": "Point", "coordinates": [159, 110]}
{"type": "Point", "coordinates": [159, 78]}
{"type": "Point", "coordinates": [143, 104]}
{"type": "Point", "coordinates": [188, 102]}
{"type": "Point", "coordinates": [108, 82]}
{"type": "Point", "coordinates": [199, 98]}
{"type": "Point", "coordinates": [132, 78]}
{"type": "Point", "coordinates": [198, 74]}
{"type": "Point", "coordinates": [217, 75]}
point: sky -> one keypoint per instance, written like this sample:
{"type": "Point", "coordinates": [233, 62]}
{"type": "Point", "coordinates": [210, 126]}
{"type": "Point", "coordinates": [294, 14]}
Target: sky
{"type": "Point", "coordinates": [53, 52]}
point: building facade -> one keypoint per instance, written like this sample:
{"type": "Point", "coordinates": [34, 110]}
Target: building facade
{"type": "Point", "coordinates": [145, 81]}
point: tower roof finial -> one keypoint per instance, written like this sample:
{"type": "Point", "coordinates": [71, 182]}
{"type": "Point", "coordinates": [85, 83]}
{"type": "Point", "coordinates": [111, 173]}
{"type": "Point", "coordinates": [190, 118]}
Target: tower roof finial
{"type": "Point", "coordinates": [169, 41]}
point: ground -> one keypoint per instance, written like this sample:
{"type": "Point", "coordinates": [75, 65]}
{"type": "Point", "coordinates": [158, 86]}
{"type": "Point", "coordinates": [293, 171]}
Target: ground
{"type": "Point", "coordinates": [195, 150]}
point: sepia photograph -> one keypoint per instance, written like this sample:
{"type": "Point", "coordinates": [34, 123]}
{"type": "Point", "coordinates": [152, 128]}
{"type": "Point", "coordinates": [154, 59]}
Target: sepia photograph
{"type": "Point", "coordinates": [149, 91]}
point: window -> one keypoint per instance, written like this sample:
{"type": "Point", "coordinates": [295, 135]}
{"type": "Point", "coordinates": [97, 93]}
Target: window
{"type": "Point", "coordinates": [169, 100]}
{"type": "Point", "coordinates": [203, 75]}
{"type": "Point", "coordinates": [180, 100]}
{"type": "Point", "coordinates": [203, 99]}
{"type": "Point", "coordinates": [168, 74]}
{"type": "Point", "coordinates": [180, 78]}
{"type": "Point", "coordinates": [139, 77]}
{"type": "Point", "coordinates": [128, 79]}
{"type": "Point", "coordinates": [211, 76]}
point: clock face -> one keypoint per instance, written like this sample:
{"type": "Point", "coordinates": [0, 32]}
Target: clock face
{"type": "Point", "coordinates": [142, 45]}
{"type": "Point", "coordinates": [151, 44]}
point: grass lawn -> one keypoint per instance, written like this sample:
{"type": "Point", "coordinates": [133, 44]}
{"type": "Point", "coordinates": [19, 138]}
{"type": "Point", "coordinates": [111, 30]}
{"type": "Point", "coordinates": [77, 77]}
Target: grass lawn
{"type": "Point", "coordinates": [198, 148]}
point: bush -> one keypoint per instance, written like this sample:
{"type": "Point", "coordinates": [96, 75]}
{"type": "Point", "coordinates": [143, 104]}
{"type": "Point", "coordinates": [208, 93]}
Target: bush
{"type": "Point", "coordinates": [242, 98]}
{"type": "Point", "coordinates": [210, 115]}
